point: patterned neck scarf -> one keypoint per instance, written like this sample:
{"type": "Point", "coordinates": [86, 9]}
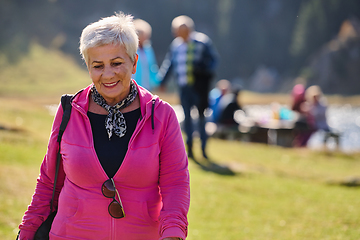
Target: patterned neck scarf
{"type": "Point", "coordinates": [115, 121]}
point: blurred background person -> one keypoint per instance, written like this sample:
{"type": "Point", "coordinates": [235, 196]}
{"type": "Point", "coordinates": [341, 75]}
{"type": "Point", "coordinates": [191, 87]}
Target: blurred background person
{"type": "Point", "coordinates": [193, 59]}
{"type": "Point", "coordinates": [229, 104]}
{"type": "Point", "coordinates": [224, 102]}
{"type": "Point", "coordinates": [304, 122]}
{"type": "Point", "coordinates": [222, 87]}
{"type": "Point", "coordinates": [147, 67]}
{"type": "Point", "coordinates": [318, 111]}
{"type": "Point", "coordinates": [317, 107]}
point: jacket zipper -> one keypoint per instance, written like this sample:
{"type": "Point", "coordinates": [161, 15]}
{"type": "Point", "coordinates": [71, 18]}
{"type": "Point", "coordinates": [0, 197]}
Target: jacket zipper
{"type": "Point", "coordinates": [88, 126]}
{"type": "Point", "coordinates": [152, 116]}
{"type": "Point", "coordinates": [113, 233]}
{"type": "Point", "coordinates": [141, 125]}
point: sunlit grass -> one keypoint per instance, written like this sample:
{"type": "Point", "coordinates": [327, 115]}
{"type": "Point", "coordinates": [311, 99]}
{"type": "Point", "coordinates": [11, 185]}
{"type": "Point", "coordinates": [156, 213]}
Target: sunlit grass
{"type": "Point", "coordinates": [21, 152]}
{"type": "Point", "coordinates": [275, 193]}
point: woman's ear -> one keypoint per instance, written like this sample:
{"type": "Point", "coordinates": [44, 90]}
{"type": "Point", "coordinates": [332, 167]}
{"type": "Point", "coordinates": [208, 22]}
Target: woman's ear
{"type": "Point", "coordinates": [135, 64]}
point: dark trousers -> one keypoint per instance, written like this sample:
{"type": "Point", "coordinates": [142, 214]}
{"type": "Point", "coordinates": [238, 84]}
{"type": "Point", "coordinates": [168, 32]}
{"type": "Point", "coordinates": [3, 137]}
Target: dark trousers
{"type": "Point", "coordinates": [190, 98]}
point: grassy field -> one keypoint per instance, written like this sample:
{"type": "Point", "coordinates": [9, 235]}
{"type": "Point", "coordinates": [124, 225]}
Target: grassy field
{"type": "Point", "coordinates": [244, 192]}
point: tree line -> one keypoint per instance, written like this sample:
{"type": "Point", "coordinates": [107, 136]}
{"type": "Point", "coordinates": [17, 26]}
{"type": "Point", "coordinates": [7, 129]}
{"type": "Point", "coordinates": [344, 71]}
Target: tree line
{"type": "Point", "coordinates": [279, 34]}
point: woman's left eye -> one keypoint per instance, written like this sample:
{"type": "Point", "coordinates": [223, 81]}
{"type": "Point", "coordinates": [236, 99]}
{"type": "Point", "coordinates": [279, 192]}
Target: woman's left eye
{"type": "Point", "coordinates": [117, 64]}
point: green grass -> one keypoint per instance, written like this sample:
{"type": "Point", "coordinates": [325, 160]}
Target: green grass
{"type": "Point", "coordinates": [274, 193]}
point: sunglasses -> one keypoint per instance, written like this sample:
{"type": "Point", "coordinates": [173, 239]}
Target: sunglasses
{"type": "Point", "coordinates": [115, 208]}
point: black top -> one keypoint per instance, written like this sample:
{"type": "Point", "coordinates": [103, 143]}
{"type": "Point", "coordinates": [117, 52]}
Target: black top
{"type": "Point", "coordinates": [111, 153]}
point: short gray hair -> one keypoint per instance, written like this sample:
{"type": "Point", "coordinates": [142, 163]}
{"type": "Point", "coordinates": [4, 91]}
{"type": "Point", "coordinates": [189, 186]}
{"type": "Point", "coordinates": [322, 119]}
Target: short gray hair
{"type": "Point", "coordinates": [116, 29]}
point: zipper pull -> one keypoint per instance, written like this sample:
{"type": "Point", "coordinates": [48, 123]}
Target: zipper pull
{"type": "Point", "coordinates": [152, 116]}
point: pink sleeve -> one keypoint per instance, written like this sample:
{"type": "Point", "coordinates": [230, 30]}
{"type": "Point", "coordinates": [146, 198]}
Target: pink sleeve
{"type": "Point", "coordinates": [39, 208]}
{"type": "Point", "coordinates": [174, 182]}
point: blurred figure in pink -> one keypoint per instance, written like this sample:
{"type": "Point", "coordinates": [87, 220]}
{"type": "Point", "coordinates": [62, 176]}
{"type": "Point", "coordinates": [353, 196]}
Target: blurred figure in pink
{"type": "Point", "coordinates": [304, 125]}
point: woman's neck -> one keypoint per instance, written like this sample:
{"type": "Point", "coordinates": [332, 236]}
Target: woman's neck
{"type": "Point", "coordinates": [95, 108]}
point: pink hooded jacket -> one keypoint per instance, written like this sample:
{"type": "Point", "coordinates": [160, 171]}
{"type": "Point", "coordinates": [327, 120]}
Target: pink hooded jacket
{"type": "Point", "coordinates": [153, 180]}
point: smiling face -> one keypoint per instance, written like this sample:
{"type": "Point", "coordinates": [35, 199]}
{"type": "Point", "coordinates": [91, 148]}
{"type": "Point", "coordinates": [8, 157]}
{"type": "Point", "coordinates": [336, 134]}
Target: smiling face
{"type": "Point", "coordinates": [110, 69]}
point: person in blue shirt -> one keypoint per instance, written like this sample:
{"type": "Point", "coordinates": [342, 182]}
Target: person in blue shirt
{"type": "Point", "coordinates": [222, 88]}
{"type": "Point", "coordinates": [147, 67]}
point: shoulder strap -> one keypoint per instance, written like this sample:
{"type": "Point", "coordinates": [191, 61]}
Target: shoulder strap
{"type": "Point", "coordinates": [66, 105]}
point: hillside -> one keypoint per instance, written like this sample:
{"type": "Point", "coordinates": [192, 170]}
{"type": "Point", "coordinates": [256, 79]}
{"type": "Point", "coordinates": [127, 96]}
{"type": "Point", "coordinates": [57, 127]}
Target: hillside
{"type": "Point", "coordinates": [41, 73]}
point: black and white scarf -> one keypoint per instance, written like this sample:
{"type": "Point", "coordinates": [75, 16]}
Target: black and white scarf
{"type": "Point", "coordinates": [115, 121]}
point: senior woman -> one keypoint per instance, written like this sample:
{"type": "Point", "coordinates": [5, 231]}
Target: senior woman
{"type": "Point", "coordinates": [119, 135]}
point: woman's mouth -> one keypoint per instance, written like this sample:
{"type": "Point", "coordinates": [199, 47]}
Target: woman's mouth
{"type": "Point", "coordinates": [111, 84]}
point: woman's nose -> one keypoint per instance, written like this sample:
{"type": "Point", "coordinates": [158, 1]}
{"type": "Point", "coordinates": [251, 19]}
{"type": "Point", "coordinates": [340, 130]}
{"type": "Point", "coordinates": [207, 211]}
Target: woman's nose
{"type": "Point", "coordinates": [108, 72]}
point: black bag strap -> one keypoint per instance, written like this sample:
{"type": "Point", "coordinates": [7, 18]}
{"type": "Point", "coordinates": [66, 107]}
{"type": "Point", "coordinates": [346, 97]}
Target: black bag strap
{"type": "Point", "coordinates": [66, 105]}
